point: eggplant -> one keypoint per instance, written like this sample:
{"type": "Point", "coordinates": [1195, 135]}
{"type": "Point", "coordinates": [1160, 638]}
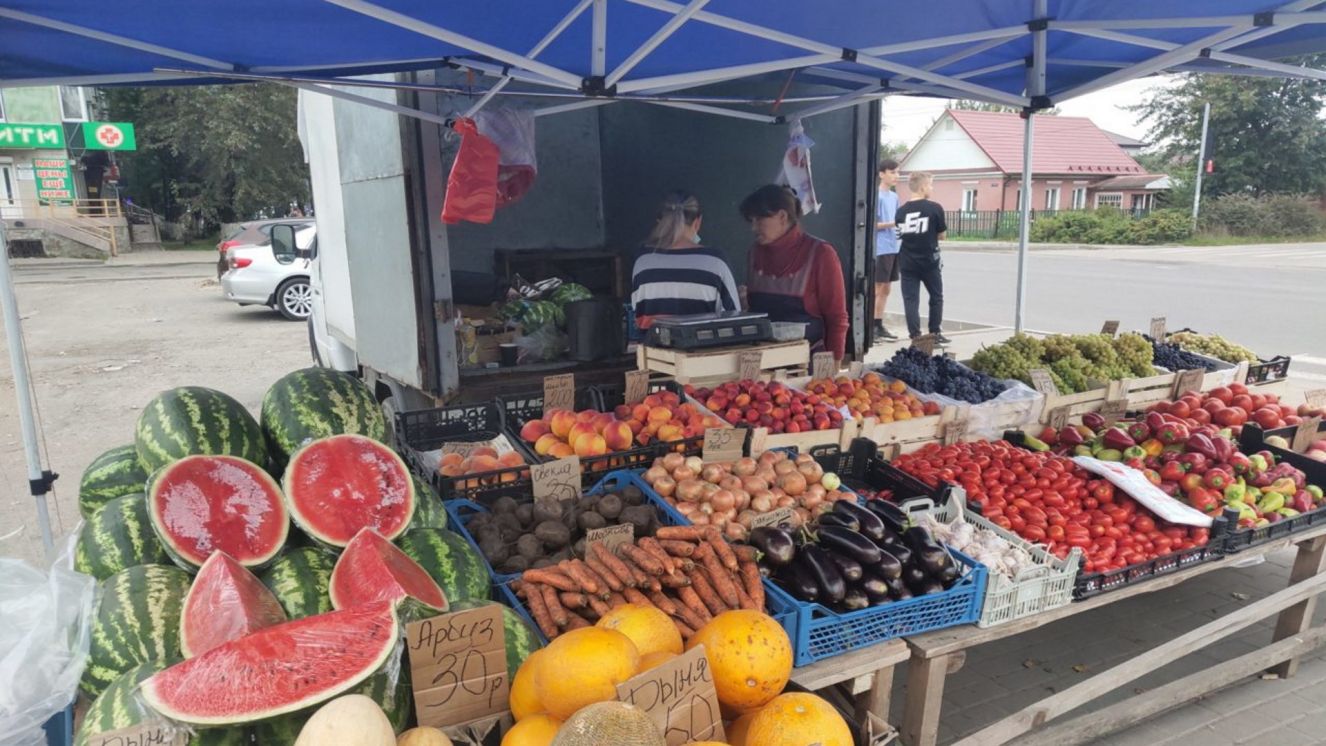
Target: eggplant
{"type": "Point", "coordinates": [815, 560]}
{"type": "Point", "coordinates": [889, 540]}
{"type": "Point", "coordinates": [949, 575]}
{"type": "Point", "coordinates": [888, 566]}
{"type": "Point", "coordinates": [855, 600]}
{"type": "Point", "coordinates": [929, 554]}
{"type": "Point", "coordinates": [902, 595]}
{"type": "Point", "coordinates": [850, 568]}
{"type": "Point", "coordinates": [775, 544]}
{"type": "Point", "coordinates": [913, 576]}
{"type": "Point", "coordinates": [868, 523]}
{"type": "Point", "coordinates": [839, 519]}
{"type": "Point", "coordinates": [850, 543]}
{"type": "Point", "coordinates": [874, 586]}
{"type": "Point", "coordinates": [928, 587]}
{"type": "Point", "coordinates": [892, 516]}
{"type": "Point", "coordinates": [798, 581]}
{"type": "Point", "coordinates": [894, 585]}
{"type": "Point", "coordinates": [902, 553]}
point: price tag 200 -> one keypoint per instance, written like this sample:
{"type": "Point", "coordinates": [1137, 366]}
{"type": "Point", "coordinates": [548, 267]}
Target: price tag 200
{"type": "Point", "coordinates": [748, 365]}
{"type": "Point", "coordinates": [822, 365]}
{"type": "Point", "coordinates": [723, 444]}
{"type": "Point", "coordinates": [559, 392]}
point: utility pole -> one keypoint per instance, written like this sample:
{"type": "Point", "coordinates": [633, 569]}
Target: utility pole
{"type": "Point", "coordinates": [1201, 164]}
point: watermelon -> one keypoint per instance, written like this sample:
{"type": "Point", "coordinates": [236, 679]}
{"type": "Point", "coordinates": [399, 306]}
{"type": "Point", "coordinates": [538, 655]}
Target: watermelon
{"type": "Point", "coordinates": [339, 485]}
{"type": "Point", "coordinates": [570, 292]}
{"type": "Point", "coordinates": [521, 638]}
{"type": "Point", "coordinates": [428, 509]}
{"type": "Point", "coordinates": [317, 403]}
{"type": "Point", "coordinates": [137, 620]}
{"type": "Point", "coordinates": [193, 420]}
{"type": "Point", "coordinates": [300, 578]}
{"type": "Point", "coordinates": [279, 669]}
{"type": "Point", "coordinates": [373, 569]}
{"type": "Point", "coordinates": [225, 603]}
{"type": "Point", "coordinates": [116, 537]}
{"type": "Point", "coordinates": [452, 562]}
{"type": "Point", "coordinates": [119, 707]}
{"type": "Point", "coordinates": [113, 474]}
{"type": "Point", "coordinates": [204, 504]}
{"type": "Point", "coordinates": [389, 687]}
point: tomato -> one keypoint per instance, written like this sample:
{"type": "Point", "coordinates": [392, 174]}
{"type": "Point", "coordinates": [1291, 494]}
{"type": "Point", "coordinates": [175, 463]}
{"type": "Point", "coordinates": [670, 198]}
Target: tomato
{"type": "Point", "coordinates": [1034, 515]}
{"type": "Point", "coordinates": [1033, 534]}
{"type": "Point", "coordinates": [1054, 499]}
{"type": "Point", "coordinates": [1144, 524]}
{"type": "Point", "coordinates": [1056, 533]}
{"type": "Point", "coordinates": [1018, 523]}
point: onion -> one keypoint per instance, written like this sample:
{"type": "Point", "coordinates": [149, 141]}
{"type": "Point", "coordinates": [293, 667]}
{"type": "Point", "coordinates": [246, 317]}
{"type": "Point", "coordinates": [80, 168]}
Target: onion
{"type": "Point", "coordinates": [730, 482]}
{"type": "Point", "coordinates": [689, 490]}
{"type": "Point", "coordinates": [654, 473]}
{"type": "Point", "coordinates": [746, 517]}
{"type": "Point", "coordinates": [712, 473]}
{"type": "Point", "coordinates": [766, 473]}
{"type": "Point", "coordinates": [785, 502]}
{"type": "Point", "coordinates": [683, 473]}
{"type": "Point", "coordinates": [695, 463]}
{"type": "Point", "coordinates": [700, 519]}
{"type": "Point", "coordinates": [810, 501]}
{"type": "Point", "coordinates": [665, 486]}
{"type": "Point", "coordinates": [735, 531]}
{"type": "Point", "coordinates": [804, 458]}
{"type": "Point", "coordinates": [793, 484]}
{"type": "Point", "coordinates": [706, 509]}
{"type": "Point", "coordinates": [745, 467]}
{"type": "Point", "coordinates": [707, 489]}
{"type": "Point", "coordinates": [743, 499]}
{"type": "Point", "coordinates": [688, 509]}
{"type": "Point", "coordinates": [754, 484]}
{"type": "Point", "coordinates": [769, 458]}
{"type": "Point", "coordinates": [812, 471]}
{"type": "Point", "coordinates": [673, 460]}
{"type": "Point", "coordinates": [818, 491]}
{"type": "Point", "coordinates": [762, 502]}
{"type": "Point", "coordinates": [784, 467]}
{"type": "Point", "coordinates": [723, 500]}
{"type": "Point", "coordinates": [800, 517]}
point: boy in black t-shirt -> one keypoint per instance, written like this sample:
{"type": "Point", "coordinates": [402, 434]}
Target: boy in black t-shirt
{"type": "Point", "coordinates": [920, 227]}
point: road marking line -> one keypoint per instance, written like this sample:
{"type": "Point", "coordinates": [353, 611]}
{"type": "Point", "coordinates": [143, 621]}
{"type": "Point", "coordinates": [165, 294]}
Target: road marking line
{"type": "Point", "coordinates": [1309, 359]}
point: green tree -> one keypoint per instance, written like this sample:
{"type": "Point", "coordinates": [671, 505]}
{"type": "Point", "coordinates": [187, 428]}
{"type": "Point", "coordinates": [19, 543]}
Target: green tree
{"type": "Point", "coordinates": [218, 153]}
{"type": "Point", "coordinates": [963, 104]}
{"type": "Point", "coordinates": [1266, 133]}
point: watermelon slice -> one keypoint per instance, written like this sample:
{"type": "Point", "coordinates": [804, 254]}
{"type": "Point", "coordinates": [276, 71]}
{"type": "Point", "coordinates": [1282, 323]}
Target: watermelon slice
{"type": "Point", "coordinates": [278, 669]}
{"type": "Point", "coordinates": [339, 485]}
{"type": "Point", "coordinates": [205, 504]}
{"type": "Point", "coordinates": [225, 602]}
{"type": "Point", "coordinates": [373, 569]}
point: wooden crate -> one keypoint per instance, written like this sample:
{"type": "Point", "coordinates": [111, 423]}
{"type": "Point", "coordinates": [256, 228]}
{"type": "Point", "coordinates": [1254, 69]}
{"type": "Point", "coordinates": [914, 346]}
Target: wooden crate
{"type": "Point", "coordinates": [1140, 393]}
{"type": "Point", "coordinates": [803, 442]}
{"type": "Point", "coordinates": [903, 436]}
{"type": "Point", "coordinates": [720, 364]}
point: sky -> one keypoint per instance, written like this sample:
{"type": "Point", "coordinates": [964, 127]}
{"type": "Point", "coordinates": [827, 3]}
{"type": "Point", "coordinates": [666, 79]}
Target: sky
{"type": "Point", "coordinates": [906, 118]}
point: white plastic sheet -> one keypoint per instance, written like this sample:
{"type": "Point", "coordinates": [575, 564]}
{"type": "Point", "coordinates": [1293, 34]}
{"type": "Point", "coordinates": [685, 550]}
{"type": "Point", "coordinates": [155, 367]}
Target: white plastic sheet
{"type": "Point", "coordinates": [44, 627]}
{"type": "Point", "coordinates": [1017, 406]}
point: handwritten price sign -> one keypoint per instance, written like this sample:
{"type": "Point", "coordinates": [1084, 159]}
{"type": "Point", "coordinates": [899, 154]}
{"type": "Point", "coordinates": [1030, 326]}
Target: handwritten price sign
{"type": "Point", "coordinates": [637, 386]}
{"type": "Point", "coordinates": [458, 666]}
{"type": "Point", "coordinates": [679, 697]}
{"type": "Point", "coordinates": [559, 392]}
{"type": "Point", "coordinates": [723, 443]}
{"type": "Point", "coordinates": [146, 733]}
{"type": "Point", "coordinates": [558, 479]}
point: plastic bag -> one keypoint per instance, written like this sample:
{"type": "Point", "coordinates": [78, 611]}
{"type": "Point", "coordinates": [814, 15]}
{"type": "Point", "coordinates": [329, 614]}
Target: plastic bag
{"type": "Point", "coordinates": [795, 171]}
{"type": "Point", "coordinates": [45, 620]}
{"type": "Point", "coordinates": [472, 186]}
{"type": "Point", "coordinates": [541, 345]}
{"type": "Point", "coordinates": [512, 131]}
{"type": "Point", "coordinates": [1017, 406]}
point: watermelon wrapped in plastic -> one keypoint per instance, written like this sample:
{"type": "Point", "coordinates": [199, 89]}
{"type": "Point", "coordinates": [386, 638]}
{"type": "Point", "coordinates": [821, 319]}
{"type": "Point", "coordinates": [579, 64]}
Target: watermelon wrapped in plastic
{"type": "Point", "coordinates": [570, 292]}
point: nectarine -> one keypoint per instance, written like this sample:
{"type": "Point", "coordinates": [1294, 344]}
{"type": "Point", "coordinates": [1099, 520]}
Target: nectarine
{"type": "Point", "coordinates": [561, 450]}
{"type": "Point", "coordinates": [544, 445]}
{"type": "Point", "coordinates": [561, 422]}
{"type": "Point", "coordinates": [533, 430]}
{"type": "Point", "coordinates": [589, 444]}
{"type": "Point", "coordinates": [579, 429]}
{"type": "Point", "coordinates": [618, 436]}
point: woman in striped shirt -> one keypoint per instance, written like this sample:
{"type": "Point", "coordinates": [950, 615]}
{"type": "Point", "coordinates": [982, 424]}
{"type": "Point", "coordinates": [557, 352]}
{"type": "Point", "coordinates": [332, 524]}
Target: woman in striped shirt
{"type": "Point", "coordinates": [677, 275]}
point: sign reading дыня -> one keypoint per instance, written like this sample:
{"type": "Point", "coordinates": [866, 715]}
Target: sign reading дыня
{"type": "Point", "coordinates": [55, 182]}
{"type": "Point", "coordinates": [31, 136]}
{"type": "Point", "coordinates": [109, 136]}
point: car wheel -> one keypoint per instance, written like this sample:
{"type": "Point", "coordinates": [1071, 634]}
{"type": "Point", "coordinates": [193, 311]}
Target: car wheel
{"type": "Point", "coordinates": [294, 299]}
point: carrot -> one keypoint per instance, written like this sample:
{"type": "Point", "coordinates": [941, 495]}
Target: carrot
{"type": "Point", "coordinates": [707, 594]}
{"type": "Point", "coordinates": [641, 577]}
{"type": "Point", "coordinates": [539, 610]}
{"type": "Point", "coordinates": [721, 548]}
{"type": "Point", "coordinates": [575, 621]}
{"type": "Point", "coordinates": [650, 544]}
{"type": "Point", "coordinates": [675, 581]}
{"type": "Point", "coordinates": [572, 601]}
{"type": "Point", "coordinates": [636, 597]}
{"type": "Point", "coordinates": [750, 578]}
{"type": "Point", "coordinates": [668, 606]}
{"type": "Point", "coordinates": [744, 599]}
{"type": "Point", "coordinates": [680, 533]}
{"type": "Point", "coordinates": [555, 608]}
{"type": "Point", "coordinates": [691, 602]}
{"type": "Point", "coordinates": [616, 600]}
{"type": "Point", "coordinates": [654, 585]}
{"type": "Point", "coordinates": [548, 576]}
{"type": "Point", "coordinates": [745, 552]}
{"type": "Point", "coordinates": [678, 548]}
{"type": "Point", "coordinates": [610, 579]}
{"type": "Point", "coordinates": [577, 573]}
{"type": "Point", "coordinates": [684, 628]}
{"type": "Point", "coordinates": [720, 579]}
{"type": "Point", "coordinates": [644, 560]}
{"type": "Point", "coordinates": [597, 606]}
{"type": "Point", "coordinates": [613, 563]}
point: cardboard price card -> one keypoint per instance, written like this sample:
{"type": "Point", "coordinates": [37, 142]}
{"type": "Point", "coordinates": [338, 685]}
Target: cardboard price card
{"type": "Point", "coordinates": [775, 517]}
{"type": "Point", "coordinates": [680, 698]}
{"type": "Point", "coordinates": [723, 444]}
{"type": "Point", "coordinates": [458, 666]}
{"type": "Point", "coordinates": [1188, 380]}
{"type": "Point", "coordinates": [748, 365]}
{"type": "Point", "coordinates": [558, 479]}
{"type": "Point", "coordinates": [1110, 327]}
{"type": "Point", "coordinates": [559, 392]}
{"type": "Point", "coordinates": [1114, 410]}
{"type": "Point", "coordinates": [759, 438]}
{"type": "Point", "coordinates": [925, 343]}
{"type": "Point", "coordinates": [146, 733]}
{"type": "Point", "coordinates": [1042, 382]}
{"type": "Point", "coordinates": [1315, 399]}
{"type": "Point", "coordinates": [1158, 328]}
{"type": "Point", "coordinates": [611, 537]}
{"type": "Point", "coordinates": [1305, 433]}
{"type": "Point", "coordinates": [954, 432]}
{"type": "Point", "coordinates": [822, 365]}
{"type": "Point", "coordinates": [637, 386]}
{"type": "Point", "coordinates": [1058, 417]}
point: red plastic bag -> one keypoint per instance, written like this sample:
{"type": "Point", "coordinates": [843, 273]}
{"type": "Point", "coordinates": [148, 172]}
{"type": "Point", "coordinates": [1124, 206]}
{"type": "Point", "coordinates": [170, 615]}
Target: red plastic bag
{"type": "Point", "coordinates": [513, 132]}
{"type": "Point", "coordinates": [472, 186]}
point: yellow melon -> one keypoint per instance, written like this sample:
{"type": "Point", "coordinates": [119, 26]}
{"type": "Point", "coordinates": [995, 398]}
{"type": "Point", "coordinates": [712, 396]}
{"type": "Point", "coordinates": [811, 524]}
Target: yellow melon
{"type": "Point", "coordinates": [750, 656]}
{"type": "Point", "coordinates": [654, 660]}
{"type": "Point", "coordinates": [423, 736]}
{"type": "Point", "coordinates": [649, 628]}
{"type": "Point", "coordinates": [523, 700]}
{"type": "Point", "coordinates": [582, 667]}
{"type": "Point", "coordinates": [736, 732]}
{"type": "Point", "coordinates": [534, 730]}
{"type": "Point", "coordinates": [351, 720]}
{"type": "Point", "coordinates": [796, 719]}
{"type": "Point", "coordinates": [604, 723]}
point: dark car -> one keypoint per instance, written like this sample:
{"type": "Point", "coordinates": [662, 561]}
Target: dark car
{"type": "Point", "coordinates": [253, 233]}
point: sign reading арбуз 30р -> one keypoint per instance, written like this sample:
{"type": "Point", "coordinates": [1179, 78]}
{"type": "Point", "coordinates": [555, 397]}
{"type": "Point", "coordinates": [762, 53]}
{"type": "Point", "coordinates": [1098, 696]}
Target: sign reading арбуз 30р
{"type": "Point", "coordinates": [31, 136]}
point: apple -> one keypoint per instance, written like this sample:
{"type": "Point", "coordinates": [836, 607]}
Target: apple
{"type": "Point", "coordinates": [830, 481]}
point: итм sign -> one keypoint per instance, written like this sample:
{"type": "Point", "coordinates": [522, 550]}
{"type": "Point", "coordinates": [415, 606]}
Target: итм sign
{"type": "Point", "coordinates": [55, 183]}
{"type": "Point", "coordinates": [31, 136]}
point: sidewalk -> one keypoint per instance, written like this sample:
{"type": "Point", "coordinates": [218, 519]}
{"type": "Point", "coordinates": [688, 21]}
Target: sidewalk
{"type": "Point", "coordinates": [159, 258]}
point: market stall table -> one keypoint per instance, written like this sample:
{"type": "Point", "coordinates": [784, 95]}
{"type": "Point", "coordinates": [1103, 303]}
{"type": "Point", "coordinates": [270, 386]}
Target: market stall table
{"type": "Point", "coordinates": [934, 655]}
{"type": "Point", "coordinates": [868, 672]}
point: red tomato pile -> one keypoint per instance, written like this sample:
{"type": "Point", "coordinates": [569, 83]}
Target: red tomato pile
{"type": "Point", "coordinates": [1047, 499]}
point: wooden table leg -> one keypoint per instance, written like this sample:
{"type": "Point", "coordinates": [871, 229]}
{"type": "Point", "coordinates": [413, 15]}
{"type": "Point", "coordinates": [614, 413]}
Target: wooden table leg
{"type": "Point", "coordinates": [1296, 619]}
{"type": "Point", "coordinates": [925, 697]}
{"type": "Point", "coordinates": [879, 698]}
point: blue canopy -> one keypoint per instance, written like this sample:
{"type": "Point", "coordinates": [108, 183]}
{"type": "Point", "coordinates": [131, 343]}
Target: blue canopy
{"type": "Point", "coordinates": [1030, 53]}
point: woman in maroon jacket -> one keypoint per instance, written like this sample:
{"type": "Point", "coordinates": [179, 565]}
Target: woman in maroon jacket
{"type": "Point", "coordinates": [792, 275]}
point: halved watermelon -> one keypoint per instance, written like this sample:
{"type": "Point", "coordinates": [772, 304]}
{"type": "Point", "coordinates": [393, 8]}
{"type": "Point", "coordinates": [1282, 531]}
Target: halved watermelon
{"type": "Point", "coordinates": [205, 504]}
{"type": "Point", "coordinates": [225, 602]}
{"type": "Point", "coordinates": [373, 569]}
{"type": "Point", "coordinates": [339, 485]}
{"type": "Point", "coordinates": [278, 669]}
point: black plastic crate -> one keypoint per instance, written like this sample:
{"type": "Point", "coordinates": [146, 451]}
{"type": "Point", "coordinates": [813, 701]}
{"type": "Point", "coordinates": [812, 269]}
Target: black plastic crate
{"type": "Point", "coordinates": [864, 471]}
{"type": "Point", "coordinates": [1253, 439]}
{"type": "Point", "coordinates": [612, 395]}
{"type": "Point", "coordinates": [1095, 583]}
{"type": "Point", "coordinates": [1268, 370]}
{"type": "Point", "coordinates": [423, 430]}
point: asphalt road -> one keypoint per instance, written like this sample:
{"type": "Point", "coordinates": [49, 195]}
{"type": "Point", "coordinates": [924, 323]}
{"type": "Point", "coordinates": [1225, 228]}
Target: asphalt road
{"type": "Point", "coordinates": [1267, 298]}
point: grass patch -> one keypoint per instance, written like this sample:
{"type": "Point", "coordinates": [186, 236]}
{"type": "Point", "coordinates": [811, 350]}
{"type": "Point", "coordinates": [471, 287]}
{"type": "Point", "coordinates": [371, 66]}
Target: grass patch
{"type": "Point", "coordinates": [1207, 239]}
{"type": "Point", "coordinates": [197, 244]}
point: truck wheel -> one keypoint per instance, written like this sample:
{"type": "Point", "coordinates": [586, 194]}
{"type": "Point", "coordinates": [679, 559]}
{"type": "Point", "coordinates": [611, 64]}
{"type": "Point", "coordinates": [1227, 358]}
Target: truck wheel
{"type": "Point", "coordinates": [294, 299]}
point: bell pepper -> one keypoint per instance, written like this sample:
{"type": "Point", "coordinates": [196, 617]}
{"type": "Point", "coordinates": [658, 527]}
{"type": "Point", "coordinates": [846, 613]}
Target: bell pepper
{"type": "Point", "coordinates": [1217, 478]}
{"type": "Point", "coordinates": [1235, 494]}
{"type": "Point", "coordinates": [1239, 463]}
{"type": "Point", "coordinates": [1069, 436]}
{"type": "Point", "coordinates": [1172, 433]}
{"type": "Point", "coordinates": [1094, 421]}
{"type": "Point", "coordinates": [1034, 443]}
{"type": "Point", "coordinates": [1285, 485]}
{"type": "Point", "coordinates": [1200, 443]}
{"type": "Point", "coordinates": [1302, 501]}
{"type": "Point", "coordinates": [1206, 501]}
{"type": "Point", "coordinates": [1138, 431]}
{"type": "Point", "coordinates": [1134, 452]}
{"type": "Point", "coordinates": [1194, 462]}
{"type": "Point", "coordinates": [1288, 512]}
{"type": "Point", "coordinates": [1152, 446]}
{"type": "Point", "coordinates": [1259, 463]}
{"type": "Point", "coordinates": [1083, 450]}
{"type": "Point", "coordinates": [1173, 472]}
{"type": "Point", "coordinates": [1169, 488]}
{"type": "Point", "coordinates": [1109, 454]}
{"type": "Point", "coordinates": [1223, 448]}
{"type": "Point", "coordinates": [1154, 421]}
{"type": "Point", "coordinates": [1152, 476]}
{"type": "Point", "coordinates": [1116, 439]}
{"type": "Point", "coordinates": [1315, 491]}
{"type": "Point", "coordinates": [1133, 463]}
{"type": "Point", "coordinates": [1271, 501]}
{"type": "Point", "coordinates": [1190, 482]}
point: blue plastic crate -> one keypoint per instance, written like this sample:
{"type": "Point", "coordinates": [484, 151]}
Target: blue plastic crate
{"type": "Point", "coordinates": [60, 728]}
{"type": "Point", "coordinates": [460, 512]}
{"type": "Point", "coordinates": [819, 633]}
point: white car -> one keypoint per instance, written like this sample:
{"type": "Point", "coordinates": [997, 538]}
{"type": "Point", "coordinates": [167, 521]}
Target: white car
{"type": "Point", "coordinates": [260, 276]}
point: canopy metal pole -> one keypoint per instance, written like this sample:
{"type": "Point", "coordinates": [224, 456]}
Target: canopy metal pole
{"type": "Point", "coordinates": [1035, 88]}
{"type": "Point", "coordinates": [1201, 164]}
{"type": "Point", "coordinates": [38, 479]}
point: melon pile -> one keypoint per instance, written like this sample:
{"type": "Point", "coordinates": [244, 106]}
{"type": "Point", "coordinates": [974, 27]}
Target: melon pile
{"type": "Point", "coordinates": [252, 569]}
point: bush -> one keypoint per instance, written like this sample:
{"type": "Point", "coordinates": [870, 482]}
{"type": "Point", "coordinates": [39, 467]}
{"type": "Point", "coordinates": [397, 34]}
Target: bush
{"type": "Point", "coordinates": [1272, 215]}
{"type": "Point", "coordinates": [1161, 226]}
{"type": "Point", "coordinates": [1111, 227]}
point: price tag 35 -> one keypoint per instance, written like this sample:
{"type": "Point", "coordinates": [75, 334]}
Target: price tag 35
{"type": "Point", "coordinates": [723, 444]}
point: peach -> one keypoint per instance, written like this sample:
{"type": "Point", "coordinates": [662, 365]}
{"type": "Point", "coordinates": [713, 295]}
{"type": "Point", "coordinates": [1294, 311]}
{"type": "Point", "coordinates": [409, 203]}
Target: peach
{"type": "Point", "coordinates": [635, 425]}
{"type": "Point", "coordinates": [483, 462]}
{"type": "Point", "coordinates": [451, 459]}
{"type": "Point", "coordinates": [561, 422]}
{"type": "Point", "coordinates": [587, 415]}
{"type": "Point", "coordinates": [590, 444]}
{"type": "Point", "coordinates": [669, 399]}
{"type": "Point", "coordinates": [640, 412]}
{"type": "Point", "coordinates": [602, 421]}
{"type": "Point", "coordinates": [660, 414]}
{"type": "Point", "coordinates": [622, 412]}
{"type": "Point", "coordinates": [561, 450]}
{"type": "Point", "coordinates": [670, 432]}
{"type": "Point", "coordinates": [653, 400]}
{"type": "Point", "coordinates": [533, 430]}
{"type": "Point", "coordinates": [543, 446]}
{"type": "Point", "coordinates": [578, 429]}
{"type": "Point", "coordinates": [510, 458]}
{"type": "Point", "coordinates": [618, 436]}
{"type": "Point", "coordinates": [451, 470]}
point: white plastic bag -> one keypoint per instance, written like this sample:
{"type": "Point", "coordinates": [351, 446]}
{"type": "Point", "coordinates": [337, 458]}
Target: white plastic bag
{"type": "Point", "coordinates": [44, 628]}
{"type": "Point", "coordinates": [795, 171]}
{"type": "Point", "coordinates": [1017, 406]}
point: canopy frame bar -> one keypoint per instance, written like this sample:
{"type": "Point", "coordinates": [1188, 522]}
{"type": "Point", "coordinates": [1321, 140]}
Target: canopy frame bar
{"type": "Point", "coordinates": [598, 50]}
{"type": "Point", "coordinates": [1226, 57]}
{"type": "Point", "coordinates": [1283, 18]}
{"type": "Point", "coordinates": [719, 110]}
{"type": "Point", "coordinates": [858, 96]}
{"type": "Point", "coordinates": [116, 39]}
{"type": "Point", "coordinates": [1035, 89]}
{"type": "Point", "coordinates": [547, 39]}
{"type": "Point", "coordinates": [652, 43]}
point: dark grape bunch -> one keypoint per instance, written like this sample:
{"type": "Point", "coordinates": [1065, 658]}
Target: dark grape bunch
{"type": "Point", "coordinates": [1176, 358]}
{"type": "Point", "coordinates": [934, 374]}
